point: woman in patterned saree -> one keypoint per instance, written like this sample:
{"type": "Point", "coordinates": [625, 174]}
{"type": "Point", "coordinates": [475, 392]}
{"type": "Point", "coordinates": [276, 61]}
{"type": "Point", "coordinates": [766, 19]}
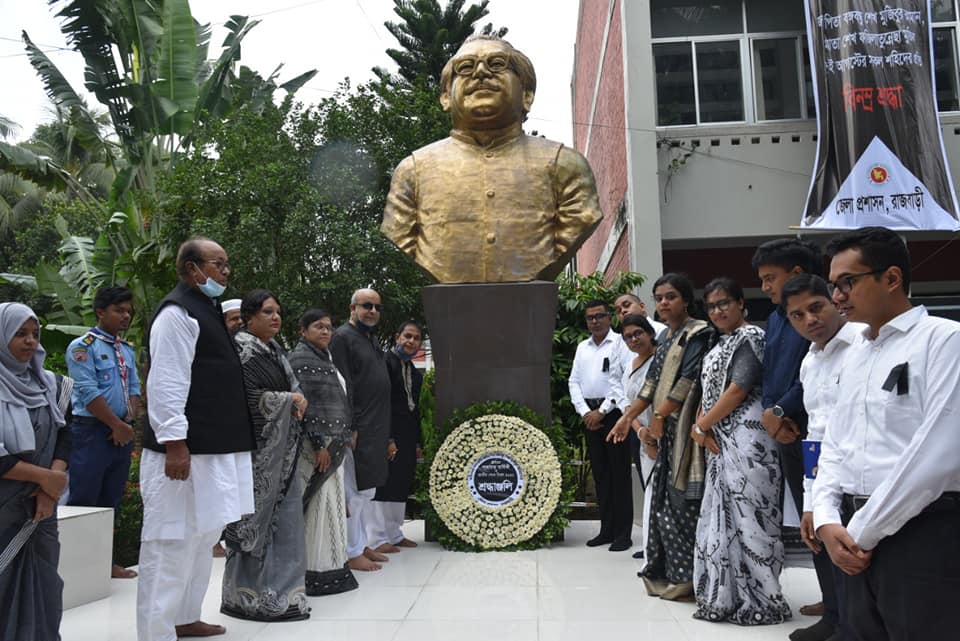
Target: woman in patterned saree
{"type": "Point", "coordinates": [263, 579]}
{"type": "Point", "coordinates": [672, 389]}
{"type": "Point", "coordinates": [326, 427]}
{"type": "Point", "coordinates": [739, 553]}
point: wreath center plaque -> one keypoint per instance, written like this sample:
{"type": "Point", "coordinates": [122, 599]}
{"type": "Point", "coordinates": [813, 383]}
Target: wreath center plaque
{"type": "Point", "coordinates": [495, 479]}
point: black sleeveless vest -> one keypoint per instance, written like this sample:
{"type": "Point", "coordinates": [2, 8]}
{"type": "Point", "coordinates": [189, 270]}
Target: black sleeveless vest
{"type": "Point", "coordinates": [216, 404]}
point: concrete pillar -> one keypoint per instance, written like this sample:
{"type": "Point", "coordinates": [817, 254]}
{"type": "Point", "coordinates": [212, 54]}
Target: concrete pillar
{"type": "Point", "coordinates": [643, 188]}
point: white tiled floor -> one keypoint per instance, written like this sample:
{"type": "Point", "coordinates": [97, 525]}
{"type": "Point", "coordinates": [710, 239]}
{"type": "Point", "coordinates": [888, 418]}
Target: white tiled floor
{"type": "Point", "coordinates": [567, 592]}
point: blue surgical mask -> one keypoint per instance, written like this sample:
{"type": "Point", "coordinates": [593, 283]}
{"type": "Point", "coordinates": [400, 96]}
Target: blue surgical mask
{"type": "Point", "coordinates": [402, 354]}
{"type": "Point", "coordinates": [212, 288]}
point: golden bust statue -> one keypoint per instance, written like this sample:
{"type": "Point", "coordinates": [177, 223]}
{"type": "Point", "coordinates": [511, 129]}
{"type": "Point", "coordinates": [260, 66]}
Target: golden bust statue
{"type": "Point", "coordinates": [491, 204]}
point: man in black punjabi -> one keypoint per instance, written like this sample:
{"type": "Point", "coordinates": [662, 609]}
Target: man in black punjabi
{"type": "Point", "coordinates": [359, 358]}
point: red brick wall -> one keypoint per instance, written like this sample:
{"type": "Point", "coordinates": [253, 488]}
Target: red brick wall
{"type": "Point", "coordinates": [607, 141]}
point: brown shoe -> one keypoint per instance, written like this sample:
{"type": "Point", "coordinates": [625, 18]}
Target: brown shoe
{"type": "Point", "coordinates": [655, 587]}
{"type": "Point", "coordinates": [199, 629]}
{"type": "Point", "coordinates": [812, 610]}
{"type": "Point", "coordinates": [678, 592]}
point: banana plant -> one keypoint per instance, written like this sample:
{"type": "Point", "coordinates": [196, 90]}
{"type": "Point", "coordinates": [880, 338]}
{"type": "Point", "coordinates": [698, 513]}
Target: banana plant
{"type": "Point", "coordinates": [147, 63]}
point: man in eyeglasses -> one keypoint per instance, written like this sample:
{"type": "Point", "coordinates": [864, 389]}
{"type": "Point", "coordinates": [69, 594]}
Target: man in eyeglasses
{"type": "Point", "coordinates": [358, 356]}
{"type": "Point", "coordinates": [784, 416]}
{"type": "Point", "coordinates": [886, 501]}
{"type": "Point", "coordinates": [490, 204]}
{"type": "Point", "coordinates": [196, 474]}
{"type": "Point", "coordinates": [596, 392]}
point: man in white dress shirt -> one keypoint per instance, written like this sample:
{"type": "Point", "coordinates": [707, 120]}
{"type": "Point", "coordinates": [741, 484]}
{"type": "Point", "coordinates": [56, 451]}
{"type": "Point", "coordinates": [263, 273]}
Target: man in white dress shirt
{"type": "Point", "coordinates": [195, 471]}
{"type": "Point", "coordinates": [886, 500]}
{"type": "Point", "coordinates": [596, 392]}
{"type": "Point", "coordinates": [809, 309]}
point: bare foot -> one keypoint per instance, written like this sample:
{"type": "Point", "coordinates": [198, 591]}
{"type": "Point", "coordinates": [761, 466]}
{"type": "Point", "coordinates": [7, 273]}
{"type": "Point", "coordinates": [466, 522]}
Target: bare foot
{"type": "Point", "coordinates": [407, 543]}
{"type": "Point", "coordinates": [120, 572]}
{"type": "Point", "coordinates": [374, 556]}
{"type": "Point", "coordinates": [218, 551]}
{"type": "Point", "coordinates": [200, 629]}
{"type": "Point", "coordinates": [363, 564]}
{"type": "Point", "coordinates": [387, 548]}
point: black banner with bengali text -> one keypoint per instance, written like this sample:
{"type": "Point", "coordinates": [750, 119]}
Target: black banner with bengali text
{"type": "Point", "coordinates": [880, 156]}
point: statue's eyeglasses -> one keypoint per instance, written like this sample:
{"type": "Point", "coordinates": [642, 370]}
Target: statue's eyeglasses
{"type": "Point", "coordinates": [495, 63]}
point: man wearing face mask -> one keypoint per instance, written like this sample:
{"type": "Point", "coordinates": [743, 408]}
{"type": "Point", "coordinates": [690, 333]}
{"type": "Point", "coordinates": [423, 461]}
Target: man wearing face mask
{"type": "Point", "coordinates": [360, 360]}
{"type": "Point", "coordinates": [195, 472]}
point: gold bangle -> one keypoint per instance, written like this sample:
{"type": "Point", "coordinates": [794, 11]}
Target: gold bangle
{"type": "Point", "coordinates": [657, 415]}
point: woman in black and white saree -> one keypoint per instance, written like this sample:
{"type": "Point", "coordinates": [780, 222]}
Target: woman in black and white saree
{"type": "Point", "coordinates": [739, 553]}
{"type": "Point", "coordinates": [263, 579]}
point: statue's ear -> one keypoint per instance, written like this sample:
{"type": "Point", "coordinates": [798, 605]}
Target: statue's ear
{"type": "Point", "coordinates": [527, 100]}
{"type": "Point", "coordinates": [445, 100]}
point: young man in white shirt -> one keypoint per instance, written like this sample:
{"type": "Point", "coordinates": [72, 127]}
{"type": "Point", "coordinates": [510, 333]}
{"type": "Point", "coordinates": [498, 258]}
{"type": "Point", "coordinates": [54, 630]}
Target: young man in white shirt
{"type": "Point", "coordinates": [808, 307]}
{"type": "Point", "coordinates": [886, 501]}
{"type": "Point", "coordinates": [596, 392]}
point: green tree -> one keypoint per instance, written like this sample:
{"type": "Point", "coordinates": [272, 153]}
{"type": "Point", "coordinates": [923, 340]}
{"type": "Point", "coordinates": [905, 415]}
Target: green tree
{"type": "Point", "coordinates": [575, 292]}
{"type": "Point", "coordinates": [429, 36]}
{"type": "Point", "coordinates": [147, 64]}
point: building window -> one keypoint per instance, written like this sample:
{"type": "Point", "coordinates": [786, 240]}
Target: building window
{"type": "Point", "coordinates": [676, 99]}
{"type": "Point", "coordinates": [719, 83]}
{"type": "Point", "coordinates": [726, 61]}
{"type": "Point", "coordinates": [944, 13]}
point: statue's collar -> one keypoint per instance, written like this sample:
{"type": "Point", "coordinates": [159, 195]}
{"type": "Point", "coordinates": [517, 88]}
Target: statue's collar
{"type": "Point", "coordinates": [488, 139]}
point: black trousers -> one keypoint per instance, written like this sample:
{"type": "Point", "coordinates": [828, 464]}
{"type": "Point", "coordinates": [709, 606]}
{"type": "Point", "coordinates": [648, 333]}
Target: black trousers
{"type": "Point", "coordinates": [611, 475]}
{"type": "Point", "coordinates": [911, 591]}
{"type": "Point", "coordinates": [791, 464]}
{"type": "Point", "coordinates": [827, 579]}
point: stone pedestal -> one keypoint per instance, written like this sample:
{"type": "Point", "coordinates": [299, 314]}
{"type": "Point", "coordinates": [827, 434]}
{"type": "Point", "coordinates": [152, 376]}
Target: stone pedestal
{"type": "Point", "coordinates": [491, 342]}
{"type": "Point", "coordinates": [86, 553]}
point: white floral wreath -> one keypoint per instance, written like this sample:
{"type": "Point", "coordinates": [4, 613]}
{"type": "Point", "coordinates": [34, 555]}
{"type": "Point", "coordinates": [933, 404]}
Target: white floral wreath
{"type": "Point", "coordinates": [500, 526]}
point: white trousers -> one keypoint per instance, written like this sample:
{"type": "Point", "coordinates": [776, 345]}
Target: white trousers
{"type": "Point", "coordinates": [646, 467]}
{"type": "Point", "coordinates": [174, 574]}
{"type": "Point", "coordinates": [384, 522]}
{"type": "Point", "coordinates": [358, 508]}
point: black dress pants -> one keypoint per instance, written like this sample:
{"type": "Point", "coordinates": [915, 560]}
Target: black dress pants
{"type": "Point", "coordinates": [911, 591]}
{"type": "Point", "coordinates": [611, 475]}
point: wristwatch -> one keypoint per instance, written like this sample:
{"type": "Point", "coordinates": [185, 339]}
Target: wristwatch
{"type": "Point", "coordinates": [658, 416]}
{"type": "Point", "coordinates": [778, 411]}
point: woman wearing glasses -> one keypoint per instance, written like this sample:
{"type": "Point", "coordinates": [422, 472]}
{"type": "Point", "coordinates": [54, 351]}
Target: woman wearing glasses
{"type": "Point", "coordinates": [640, 338]}
{"type": "Point", "coordinates": [739, 553]}
{"type": "Point", "coordinates": [672, 391]}
{"type": "Point", "coordinates": [326, 426]}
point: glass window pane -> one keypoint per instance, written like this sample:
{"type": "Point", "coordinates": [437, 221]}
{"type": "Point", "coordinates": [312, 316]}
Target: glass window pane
{"type": "Point", "coordinates": [719, 82]}
{"type": "Point", "coordinates": [943, 10]}
{"type": "Point", "coordinates": [945, 69]}
{"type": "Point", "coordinates": [675, 97]}
{"type": "Point", "coordinates": [765, 15]}
{"type": "Point", "coordinates": [672, 18]}
{"type": "Point", "coordinates": [808, 82]}
{"type": "Point", "coordinates": [776, 78]}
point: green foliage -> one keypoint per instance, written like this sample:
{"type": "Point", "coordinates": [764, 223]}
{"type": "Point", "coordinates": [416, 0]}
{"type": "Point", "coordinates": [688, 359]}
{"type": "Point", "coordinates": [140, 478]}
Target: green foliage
{"type": "Point", "coordinates": [429, 35]}
{"type": "Point", "coordinates": [574, 294]}
{"type": "Point", "coordinates": [129, 521]}
{"type": "Point", "coordinates": [433, 437]}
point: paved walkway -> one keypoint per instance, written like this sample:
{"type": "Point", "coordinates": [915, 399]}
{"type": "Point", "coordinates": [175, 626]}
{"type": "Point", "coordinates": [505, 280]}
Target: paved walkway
{"type": "Point", "coordinates": [563, 593]}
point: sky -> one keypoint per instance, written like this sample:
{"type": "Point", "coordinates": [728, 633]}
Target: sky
{"type": "Point", "coordinates": [339, 38]}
